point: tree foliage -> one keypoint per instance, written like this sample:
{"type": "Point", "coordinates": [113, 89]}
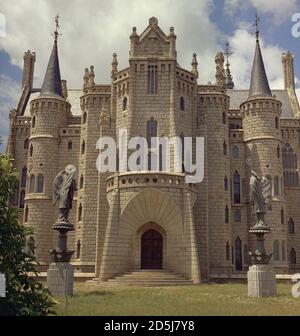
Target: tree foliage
{"type": "Point", "coordinates": [24, 294]}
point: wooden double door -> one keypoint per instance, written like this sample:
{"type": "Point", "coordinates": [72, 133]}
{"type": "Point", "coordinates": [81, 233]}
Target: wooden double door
{"type": "Point", "coordinates": [151, 250]}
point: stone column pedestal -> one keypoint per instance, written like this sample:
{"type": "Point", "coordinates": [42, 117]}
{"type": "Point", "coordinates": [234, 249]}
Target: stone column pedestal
{"type": "Point", "coordinates": [60, 276]}
{"type": "Point", "coordinates": [261, 281]}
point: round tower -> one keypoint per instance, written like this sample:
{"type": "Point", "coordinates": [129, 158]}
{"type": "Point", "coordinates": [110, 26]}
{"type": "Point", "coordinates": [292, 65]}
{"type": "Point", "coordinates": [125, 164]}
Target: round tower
{"type": "Point", "coordinates": [49, 112]}
{"type": "Point", "coordinates": [261, 123]}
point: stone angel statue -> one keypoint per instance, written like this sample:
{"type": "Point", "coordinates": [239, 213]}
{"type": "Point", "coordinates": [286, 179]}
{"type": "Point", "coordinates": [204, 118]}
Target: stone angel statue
{"type": "Point", "coordinates": [64, 187]}
{"type": "Point", "coordinates": [261, 195]}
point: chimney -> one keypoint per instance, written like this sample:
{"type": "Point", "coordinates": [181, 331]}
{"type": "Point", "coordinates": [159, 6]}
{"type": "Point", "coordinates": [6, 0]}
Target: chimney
{"type": "Point", "coordinates": [288, 70]}
{"type": "Point", "coordinates": [28, 69]}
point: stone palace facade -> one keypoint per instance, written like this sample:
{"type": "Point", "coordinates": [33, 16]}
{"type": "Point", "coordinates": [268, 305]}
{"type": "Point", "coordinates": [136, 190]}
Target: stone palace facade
{"type": "Point", "coordinates": [153, 219]}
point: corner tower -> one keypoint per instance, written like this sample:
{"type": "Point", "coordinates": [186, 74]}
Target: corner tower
{"type": "Point", "coordinates": [49, 112]}
{"type": "Point", "coordinates": [261, 123]}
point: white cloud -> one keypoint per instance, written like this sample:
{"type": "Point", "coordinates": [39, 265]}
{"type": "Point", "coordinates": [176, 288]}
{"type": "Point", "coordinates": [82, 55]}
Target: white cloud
{"type": "Point", "coordinates": [279, 9]}
{"type": "Point", "coordinates": [9, 94]}
{"type": "Point", "coordinates": [93, 30]}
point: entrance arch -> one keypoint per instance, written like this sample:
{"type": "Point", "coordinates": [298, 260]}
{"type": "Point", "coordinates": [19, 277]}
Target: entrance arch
{"type": "Point", "coordinates": [151, 250]}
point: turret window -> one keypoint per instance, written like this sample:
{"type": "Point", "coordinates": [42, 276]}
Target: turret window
{"type": "Point", "coordinates": [22, 199]}
{"type": "Point", "coordinates": [40, 184]}
{"type": "Point", "coordinates": [31, 151]}
{"type": "Point", "coordinates": [26, 214]}
{"type": "Point", "coordinates": [276, 122]}
{"type": "Point", "coordinates": [182, 107]}
{"type": "Point", "coordinates": [26, 143]}
{"type": "Point", "coordinates": [80, 212]}
{"type": "Point", "coordinates": [33, 122]}
{"type": "Point", "coordinates": [23, 177]}
{"type": "Point", "coordinates": [31, 184]}
{"type": "Point", "coordinates": [81, 182]}
{"type": "Point", "coordinates": [224, 118]}
{"type": "Point", "coordinates": [125, 103]}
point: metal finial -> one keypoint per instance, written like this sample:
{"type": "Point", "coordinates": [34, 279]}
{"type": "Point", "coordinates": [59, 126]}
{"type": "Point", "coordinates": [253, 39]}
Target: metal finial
{"type": "Point", "coordinates": [56, 33]}
{"type": "Point", "coordinates": [227, 52]}
{"type": "Point", "coordinates": [256, 25]}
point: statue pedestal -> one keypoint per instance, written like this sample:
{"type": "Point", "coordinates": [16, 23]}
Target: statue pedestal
{"type": "Point", "coordinates": [261, 281]}
{"type": "Point", "coordinates": [60, 277]}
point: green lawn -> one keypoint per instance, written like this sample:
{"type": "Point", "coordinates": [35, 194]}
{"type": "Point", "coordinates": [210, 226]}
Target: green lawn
{"type": "Point", "coordinates": [205, 299]}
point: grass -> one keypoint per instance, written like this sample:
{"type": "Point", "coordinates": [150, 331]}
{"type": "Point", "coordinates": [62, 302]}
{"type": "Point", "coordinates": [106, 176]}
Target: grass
{"type": "Point", "coordinates": [206, 299]}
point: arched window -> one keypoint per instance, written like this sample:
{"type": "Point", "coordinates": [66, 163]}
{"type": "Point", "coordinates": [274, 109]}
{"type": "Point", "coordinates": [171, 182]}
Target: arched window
{"type": "Point", "coordinates": [23, 177]}
{"type": "Point", "coordinates": [26, 214]}
{"type": "Point", "coordinates": [70, 145]}
{"type": "Point", "coordinates": [276, 186]}
{"type": "Point", "coordinates": [238, 216]}
{"type": "Point", "coordinates": [282, 216]}
{"type": "Point", "coordinates": [152, 79]}
{"type": "Point", "coordinates": [283, 250]}
{"type": "Point", "coordinates": [224, 119]}
{"type": "Point", "coordinates": [84, 116]}
{"type": "Point", "coordinates": [22, 199]}
{"type": "Point", "coordinates": [225, 183]}
{"type": "Point", "coordinates": [40, 184]}
{"type": "Point", "coordinates": [227, 251]}
{"type": "Point", "coordinates": [33, 122]}
{"type": "Point", "coordinates": [276, 250]}
{"type": "Point", "coordinates": [31, 151]}
{"type": "Point", "coordinates": [291, 226]}
{"type": "Point", "coordinates": [236, 188]}
{"type": "Point", "coordinates": [182, 107]}
{"type": "Point", "coordinates": [125, 102]}
{"type": "Point", "coordinates": [31, 246]}
{"type": "Point", "coordinates": [82, 147]}
{"type": "Point", "coordinates": [80, 212]}
{"type": "Point", "coordinates": [151, 133]}
{"type": "Point", "coordinates": [225, 148]}
{"type": "Point", "coordinates": [226, 215]}
{"type": "Point", "coordinates": [235, 152]}
{"type": "Point", "coordinates": [278, 152]}
{"type": "Point", "coordinates": [78, 249]}
{"type": "Point", "coordinates": [26, 143]}
{"type": "Point", "coordinates": [31, 184]}
{"type": "Point", "coordinates": [290, 167]}
{"type": "Point", "coordinates": [293, 257]}
{"type": "Point", "coordinates": [277, 122]}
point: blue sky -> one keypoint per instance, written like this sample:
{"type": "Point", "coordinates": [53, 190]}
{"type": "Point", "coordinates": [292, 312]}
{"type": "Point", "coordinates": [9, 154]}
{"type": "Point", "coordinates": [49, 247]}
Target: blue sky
{"type": "Point", "coordinates": [94, 29]}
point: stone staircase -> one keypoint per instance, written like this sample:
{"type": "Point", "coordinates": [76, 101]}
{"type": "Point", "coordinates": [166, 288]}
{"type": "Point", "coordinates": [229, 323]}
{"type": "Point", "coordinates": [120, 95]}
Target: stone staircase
{"type": "Point", "coordinates": [150, 278]}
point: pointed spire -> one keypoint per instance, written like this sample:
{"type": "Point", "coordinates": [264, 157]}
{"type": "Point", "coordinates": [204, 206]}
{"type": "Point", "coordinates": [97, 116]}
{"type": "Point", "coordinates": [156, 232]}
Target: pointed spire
{"type": "Point", "coordinates": [259, 86]}
{"type": "Point", "coordinates": [52, 81]}
{"type": "Point", "coordinates": [195, 65]}
{"type": "Point", "coordinates": [114, 65]}
{"type": "Point", "coordinates": [229, 84]}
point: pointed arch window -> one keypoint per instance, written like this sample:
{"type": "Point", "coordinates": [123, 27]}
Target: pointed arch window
{"type": "Point", "coordinates": [32, 184]}
{"type": "Point", "coordinates": [78, 249]}
{"type": "Point", "coordinates": [225, 183]}
{"type": "Point", "coordinates": [23, 177]}
{"type": "Point", "coordinates": [225, 148]}
{"type": "Point", "coordinates": [236, 188]}
{"type": "Point", "coordinates": [81, 182]}
{"type": "Point", "coordinates": [276, 250]}
{"type": "Point", "coordinates": [226, 214]}
{"type": "Point", "coordinates": [70, 145]}
{"type": "Point", "coordinates": [291, 226]}
{"type": "Point", "coordinates": [238, 254]}
{"type": "Point", "coordinates": [182, 103]}
{"type": "Point", "coordinates": [290, 167]}
{"type": "Point", "coordinates": [152, 79]}
{"type": "Point", "coordinates": [227, 251]}
{"type": "Point", "coordinates": [26, 143]}
{"type": "Point", "coordinates": [125, 103]}
{"type": "Point", "coordinates": [293, 257]}
{"type": "Point", "coordinates": [22, 199]}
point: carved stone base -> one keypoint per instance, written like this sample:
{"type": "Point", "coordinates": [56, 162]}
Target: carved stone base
{"type": "Point", "coordinates": [261, 281]}
{"type": "Point", "coordinates": [60, 278]}
{"type": "Point", "coordinates": [61, 256]}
